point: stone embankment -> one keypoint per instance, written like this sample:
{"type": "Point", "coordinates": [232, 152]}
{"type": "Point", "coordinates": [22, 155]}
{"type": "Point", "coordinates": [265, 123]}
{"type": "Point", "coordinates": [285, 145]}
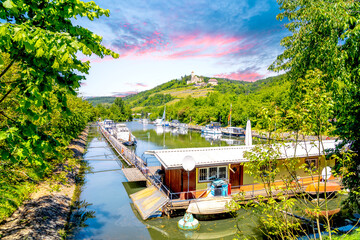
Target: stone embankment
{"type": "Point", "coordinates": [45, 214]}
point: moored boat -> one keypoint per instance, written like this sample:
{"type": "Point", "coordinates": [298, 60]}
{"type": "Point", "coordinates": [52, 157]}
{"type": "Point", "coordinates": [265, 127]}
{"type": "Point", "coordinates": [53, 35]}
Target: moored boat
{"type": "Point", "coordinates": [212, 128]}
{"type": "Point", "coordinates": [174, 123]}
{"type": "Point", "coordinates": [233, 131]}
{"type": "Point", "coordinates": [124, 135]}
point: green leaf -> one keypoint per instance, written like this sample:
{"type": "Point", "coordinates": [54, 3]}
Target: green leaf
{"type": "Point", "coordinates": [2, 135]}
{"type": "Point", "coordinates": [8, 4]}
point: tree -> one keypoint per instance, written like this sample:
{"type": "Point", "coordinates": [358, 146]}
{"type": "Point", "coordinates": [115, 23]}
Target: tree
{"type": "Point", "coordinates": [326, 36]}
{"type": "Point", "coordinates": [42, 40]}
{"type": "Point", "coordinates": [40, 71]}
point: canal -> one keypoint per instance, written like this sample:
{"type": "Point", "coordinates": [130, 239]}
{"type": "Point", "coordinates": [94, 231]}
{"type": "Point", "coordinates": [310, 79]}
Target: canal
{"type": "Point", "coordinates": [105, 209]}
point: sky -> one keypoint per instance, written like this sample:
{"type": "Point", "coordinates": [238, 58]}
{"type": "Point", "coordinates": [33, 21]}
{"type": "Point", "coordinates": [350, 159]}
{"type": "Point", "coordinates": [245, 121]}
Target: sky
{"type": "Point", "coordinates": [161, 40]}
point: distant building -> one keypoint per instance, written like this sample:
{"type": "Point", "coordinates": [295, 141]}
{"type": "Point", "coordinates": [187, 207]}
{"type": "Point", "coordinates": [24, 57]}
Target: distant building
{"type": "Point", "coordinates": [194, 79]}
{"type": "Point", "coordinates": [213, 82]}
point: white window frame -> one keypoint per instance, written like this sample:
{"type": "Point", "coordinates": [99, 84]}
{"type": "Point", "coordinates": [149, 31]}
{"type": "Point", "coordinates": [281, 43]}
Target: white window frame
{"type": "Point", "coordinates": [208, 172]}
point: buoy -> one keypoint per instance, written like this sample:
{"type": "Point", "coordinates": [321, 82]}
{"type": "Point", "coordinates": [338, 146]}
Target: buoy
{"type": "Point", "coordinates": [188, 222]}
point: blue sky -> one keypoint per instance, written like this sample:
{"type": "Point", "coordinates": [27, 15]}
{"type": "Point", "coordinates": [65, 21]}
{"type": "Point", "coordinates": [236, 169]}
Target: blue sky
{"type": "Point", "coordinates": [161, 40]}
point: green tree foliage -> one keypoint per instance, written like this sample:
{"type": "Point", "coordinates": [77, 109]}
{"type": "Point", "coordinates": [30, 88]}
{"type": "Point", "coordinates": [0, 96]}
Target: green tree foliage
{"type": "Point", "coordinates": [100, 100]}
{"type": "Point", "coordinates": [39, 74]}
{"type": "Point", "coordinates": [326, 36]}
{"type": "Point", "coordinates": [138, 99]}
{"type": "Point", "coordinates": [119, 111]}
{"type": "Point", "coordinates": [276, 166]}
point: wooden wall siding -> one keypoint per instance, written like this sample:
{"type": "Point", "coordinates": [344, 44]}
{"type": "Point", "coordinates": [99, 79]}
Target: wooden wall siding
{"type": "Point", "coordinates": [192, 182]}
{"type": "Point", "coordinates": [176, 180]}
{"type": "Point", "coordinates": [173, 180]}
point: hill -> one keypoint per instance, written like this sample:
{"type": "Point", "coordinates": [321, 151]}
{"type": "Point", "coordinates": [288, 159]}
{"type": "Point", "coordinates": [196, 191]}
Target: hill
{"type": "Point", "coordinates": [201, 105]}
{"type": "Point", "coordinates": [100, 100]}
{"type": "Point", "coordinates": [176, 90]}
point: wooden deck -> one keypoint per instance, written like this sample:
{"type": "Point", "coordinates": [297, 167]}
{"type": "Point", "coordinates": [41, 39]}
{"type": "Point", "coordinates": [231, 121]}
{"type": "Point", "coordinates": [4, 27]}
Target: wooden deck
{"type": "Point", "coordinates": [249, 192]}
{"type": "Point", "coordinates": [135, 175]}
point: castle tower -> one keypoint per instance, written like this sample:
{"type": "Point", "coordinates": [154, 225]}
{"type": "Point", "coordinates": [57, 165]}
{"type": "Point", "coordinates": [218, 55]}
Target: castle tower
{"type": "Point", "coordinates": [192, 76]}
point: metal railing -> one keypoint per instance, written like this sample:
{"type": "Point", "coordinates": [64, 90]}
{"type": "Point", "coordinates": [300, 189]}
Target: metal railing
{"type": "Point", "coordinates": [132, 159]}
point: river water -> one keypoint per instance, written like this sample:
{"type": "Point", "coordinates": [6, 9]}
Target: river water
{"type": "Point", "coordinates": [107, 211]}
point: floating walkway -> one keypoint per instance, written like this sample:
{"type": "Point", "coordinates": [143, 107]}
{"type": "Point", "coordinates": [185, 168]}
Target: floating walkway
{"type": "Point", "coordinates": [150, 200]}
{"type": "Point", "coordinates": [135, 175]}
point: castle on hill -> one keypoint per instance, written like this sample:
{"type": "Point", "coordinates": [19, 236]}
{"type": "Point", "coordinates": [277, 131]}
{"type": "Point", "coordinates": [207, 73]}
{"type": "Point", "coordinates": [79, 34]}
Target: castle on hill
{"type": "Point", "coordinates": [194, 79]}
{"type": "Point", "coordinates": [198, 81]}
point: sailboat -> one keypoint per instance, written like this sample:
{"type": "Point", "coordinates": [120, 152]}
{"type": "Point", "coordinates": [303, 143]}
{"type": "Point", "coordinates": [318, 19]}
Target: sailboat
{"type": "Point", "coordinates": [232, 131]}
{"type": "Point", "coordinates": [159, 121]}
{"type": "Point", "coordinates": [162, 122]}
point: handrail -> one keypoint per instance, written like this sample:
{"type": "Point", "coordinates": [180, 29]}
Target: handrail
{"type": "Point", "coordinates": [139, 163]}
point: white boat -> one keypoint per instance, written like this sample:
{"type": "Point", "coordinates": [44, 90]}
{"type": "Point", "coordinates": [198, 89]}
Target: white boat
{"type": "Point", "coordinates": [212, 128]}
{"type": "Point", "coordinates": [212, 205]}
{"type": "Point", "coordinates": [158, 122]}
{"type": "Point", "coordinates": [233, 131]}
{"type": "Point", "coordinates": [124, 135]}
{"type": "Point", "coordinates": [175, 123]}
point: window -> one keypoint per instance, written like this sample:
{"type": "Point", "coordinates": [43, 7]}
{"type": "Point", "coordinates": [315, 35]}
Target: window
{"type": "Point", "coordinates": [311, 163]}
{"type": "Point", "coordinates": [208, 174]}
{"type": "Point", "coordinates": [203, 174]}
{"type": "Point", "coordinates": [212, 173]}
{"type": "Point", "coordinates": [222, 172]}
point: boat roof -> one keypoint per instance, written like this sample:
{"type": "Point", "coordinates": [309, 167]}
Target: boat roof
{"type": "Point", "coordinates": [216, 156]}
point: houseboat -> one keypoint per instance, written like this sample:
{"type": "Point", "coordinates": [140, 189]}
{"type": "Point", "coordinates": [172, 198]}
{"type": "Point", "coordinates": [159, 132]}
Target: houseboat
{"type": "Point", "coordinates": [233, 131]}
{"type": "Point", "coordinates": [226, 163]}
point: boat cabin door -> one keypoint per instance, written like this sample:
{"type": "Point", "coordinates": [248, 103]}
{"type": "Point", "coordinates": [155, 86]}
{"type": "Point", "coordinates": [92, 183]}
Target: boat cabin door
{"type": "Point", "coordinates": [236, 175]}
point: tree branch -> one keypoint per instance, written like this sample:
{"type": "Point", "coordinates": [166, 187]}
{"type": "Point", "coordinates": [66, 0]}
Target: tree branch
{"type": "Point", "coordinates": [3, 113]}
{"type": "Point", "coordinates": [2, 99]}
{"type": "Point", "coordinates": [7, 68]}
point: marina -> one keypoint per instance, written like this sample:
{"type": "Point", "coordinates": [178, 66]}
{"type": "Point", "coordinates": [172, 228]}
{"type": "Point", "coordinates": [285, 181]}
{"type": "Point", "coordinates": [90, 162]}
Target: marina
{"type": "Point", "coordinates": [110, 192]}
{"type": "Point", "coordinates": [107, 194]}
{"type": "Point", "coordinates": [180, 187]}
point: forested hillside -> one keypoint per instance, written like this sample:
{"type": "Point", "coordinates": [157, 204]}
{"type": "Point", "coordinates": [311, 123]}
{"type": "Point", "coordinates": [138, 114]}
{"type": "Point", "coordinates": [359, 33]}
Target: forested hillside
{"type": "Point", "coordinates": [201, 105]}
{"type": "Point", "coordinates": [100, 100]}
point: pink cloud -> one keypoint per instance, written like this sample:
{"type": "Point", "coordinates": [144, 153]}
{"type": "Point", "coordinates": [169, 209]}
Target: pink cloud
{"type": "Point", "coordinates": [245, 75]}
{"type": "Point", "coordinates": [206, 45]}
{"type": "Point", "coordinates": [124, 94]}
{"type": "Point", "coordinates": [137, 85]}
{"type": "Point", "coordinates": [97, 59]}
{"type": "Point", "coordinates": [197, 39]}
